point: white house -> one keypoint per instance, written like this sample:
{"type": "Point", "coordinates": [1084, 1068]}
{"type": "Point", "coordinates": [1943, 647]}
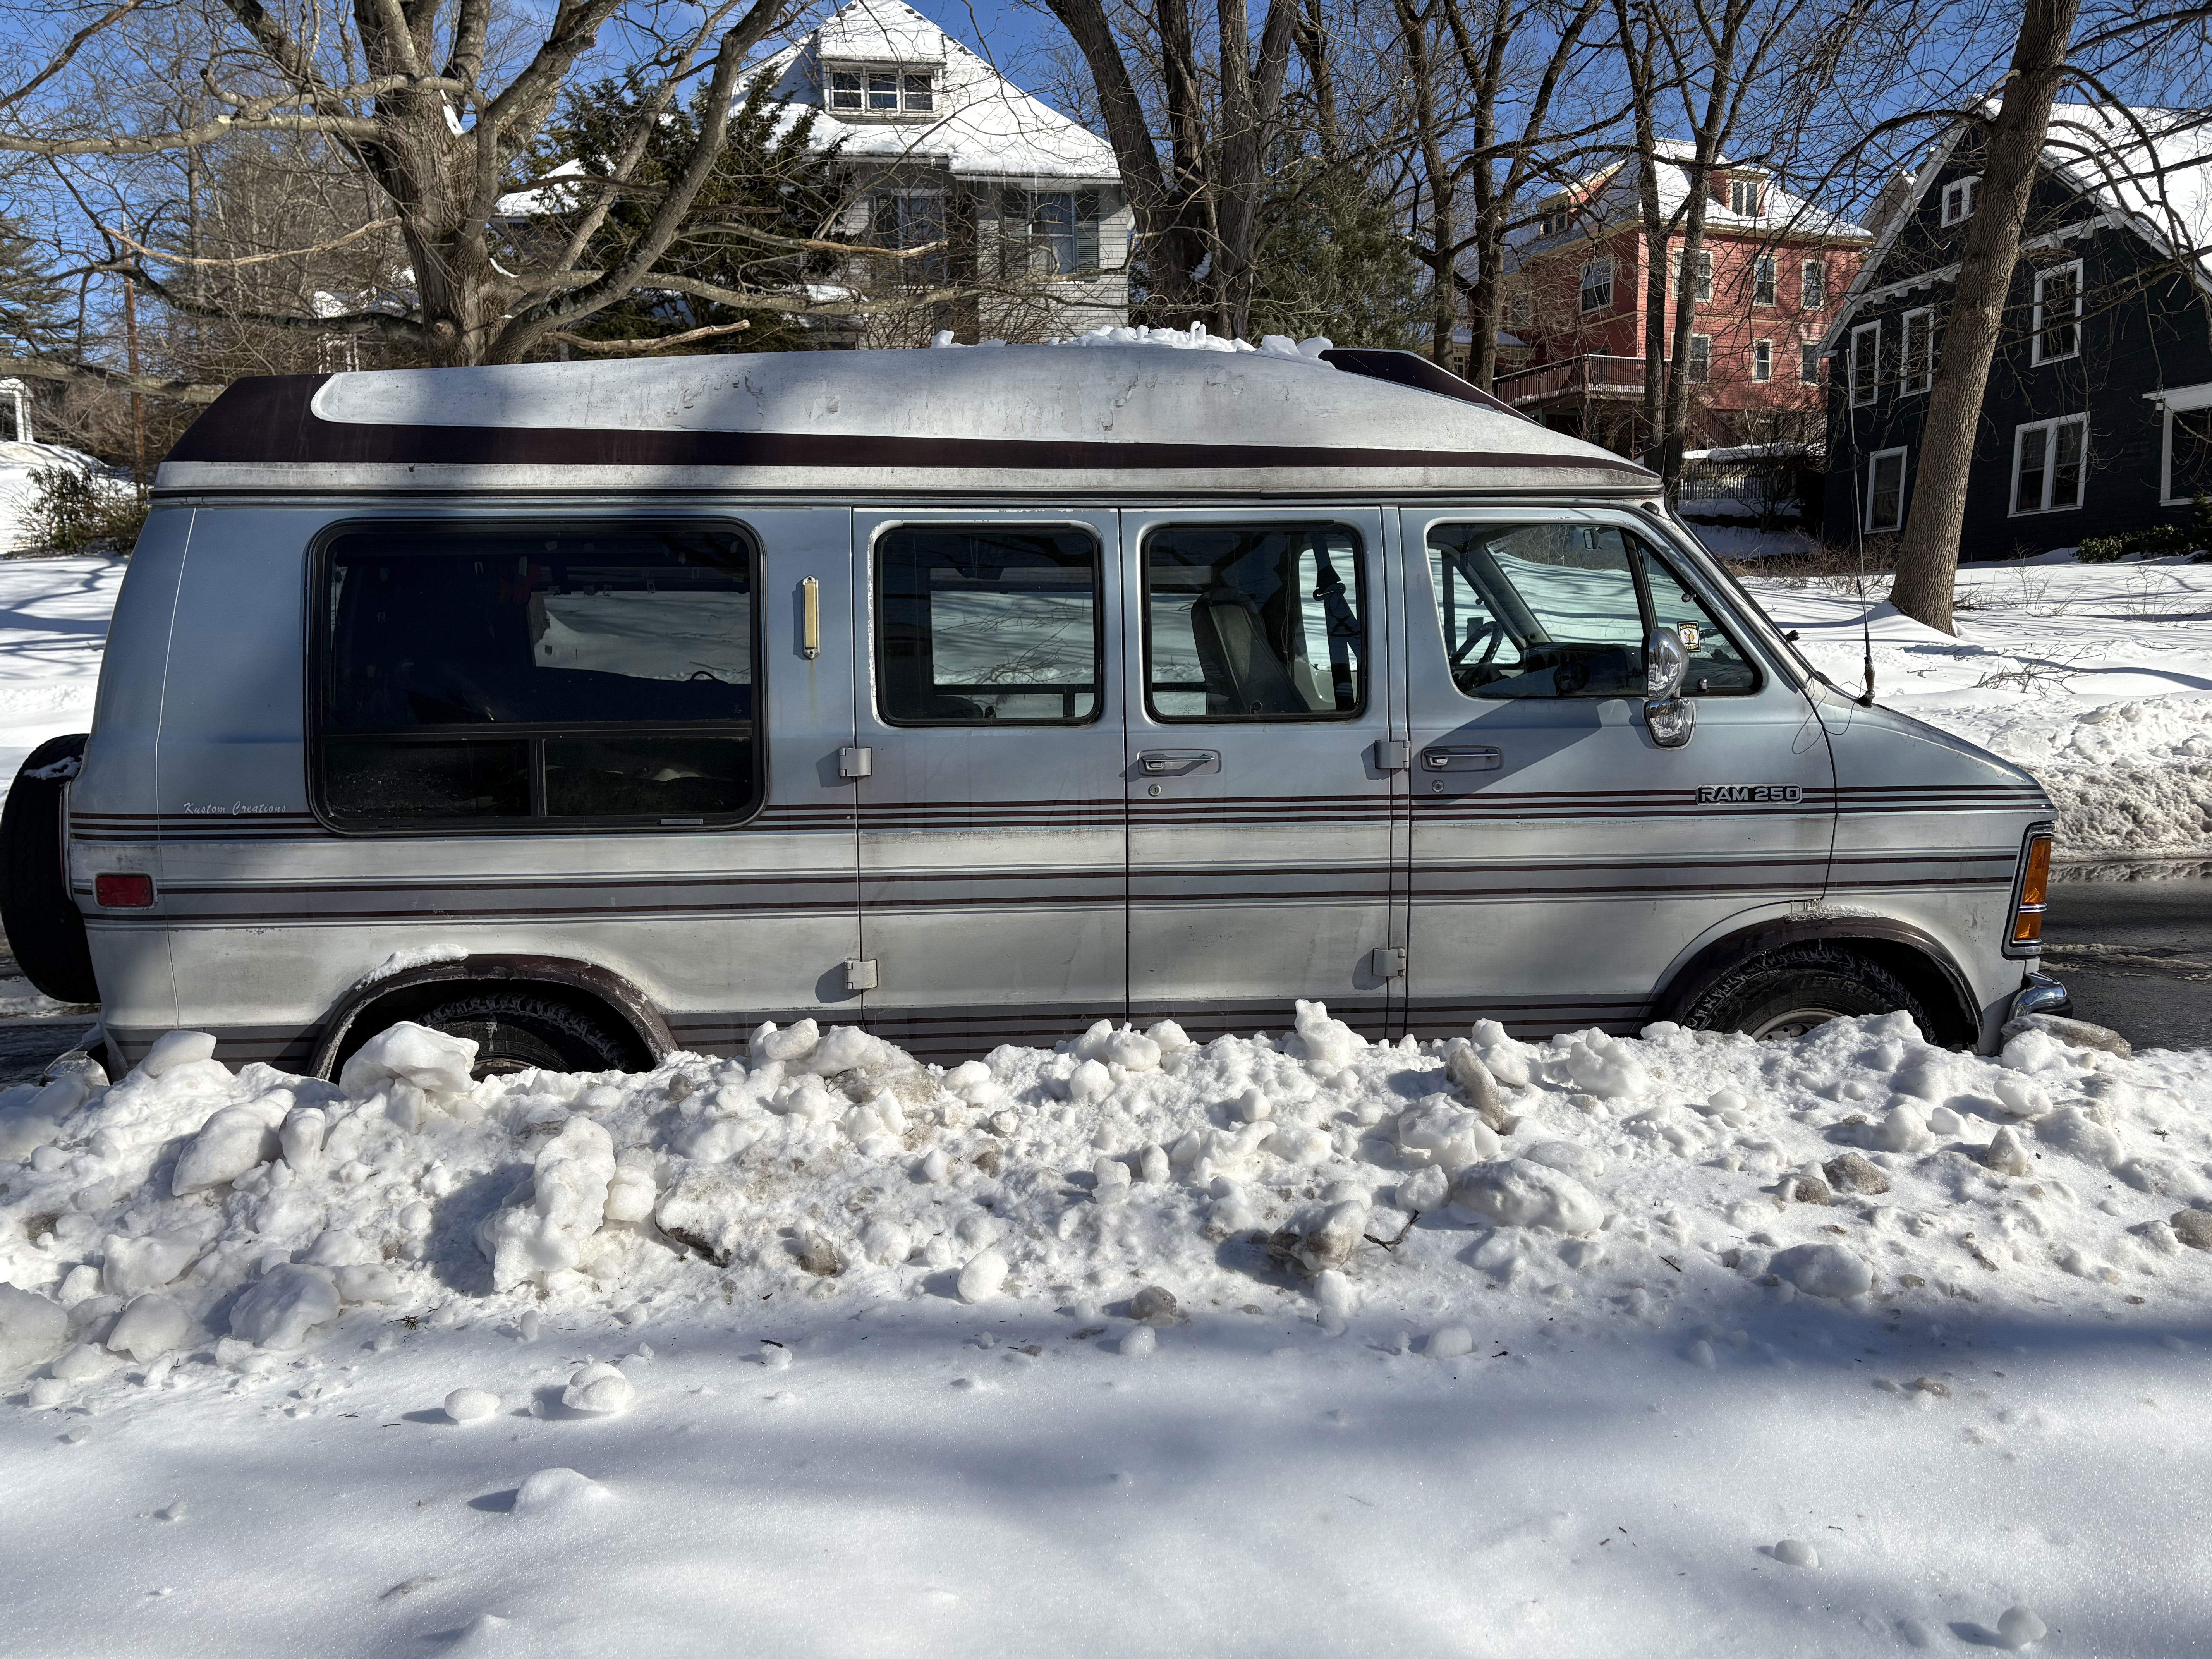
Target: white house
{"type": "Point", "coordinates": [945, 148]}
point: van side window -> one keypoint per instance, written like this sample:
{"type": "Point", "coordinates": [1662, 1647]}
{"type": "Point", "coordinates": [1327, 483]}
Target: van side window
{"type": "Point", "coordinates": [1561, 611]}
{"type": "Point", "coordinates": [1260, 622]}
{"type": "Point", "coordinates": [477, 674]}
{"type": "Point", "coordinates": [977, 625]}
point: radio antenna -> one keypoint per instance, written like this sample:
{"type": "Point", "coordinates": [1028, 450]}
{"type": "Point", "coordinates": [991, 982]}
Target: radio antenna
{"type": "Point", "coordinates": [1866, 605]}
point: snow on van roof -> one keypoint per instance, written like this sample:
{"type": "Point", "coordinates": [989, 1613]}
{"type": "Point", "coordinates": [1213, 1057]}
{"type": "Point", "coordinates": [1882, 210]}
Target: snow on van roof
{"type": "Point", "coordinates": [1131, 409]}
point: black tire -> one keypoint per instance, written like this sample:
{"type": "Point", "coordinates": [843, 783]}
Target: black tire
{"type": "Point", "coordinates": [1785, 994]}
{"type": "Point", "coordinates": [44, 929]}
{"type": "Point", "coordinates": [516, 1030]}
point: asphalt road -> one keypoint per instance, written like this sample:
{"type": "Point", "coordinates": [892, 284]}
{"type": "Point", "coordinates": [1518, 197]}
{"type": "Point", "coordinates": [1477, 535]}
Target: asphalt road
{"type": "Point", "coordinates": [2137, 955]}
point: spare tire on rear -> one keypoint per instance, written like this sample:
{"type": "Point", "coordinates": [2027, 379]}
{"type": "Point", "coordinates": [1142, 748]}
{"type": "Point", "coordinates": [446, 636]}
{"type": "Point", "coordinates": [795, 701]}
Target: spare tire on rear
{"type": "Point", "coordinates": [44, 929]}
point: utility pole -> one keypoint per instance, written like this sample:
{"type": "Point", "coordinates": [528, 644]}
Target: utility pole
{"type": "Point", "coordinates": [138, 402]}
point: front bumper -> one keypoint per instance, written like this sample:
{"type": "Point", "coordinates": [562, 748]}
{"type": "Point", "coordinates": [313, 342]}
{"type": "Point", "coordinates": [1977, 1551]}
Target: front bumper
{"type": "Point", "coordinates": [2040, 994]}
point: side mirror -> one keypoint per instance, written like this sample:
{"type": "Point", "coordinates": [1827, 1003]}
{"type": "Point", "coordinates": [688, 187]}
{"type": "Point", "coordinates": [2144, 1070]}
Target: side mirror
{"type": "Point", "coordinates": [1669, 716]}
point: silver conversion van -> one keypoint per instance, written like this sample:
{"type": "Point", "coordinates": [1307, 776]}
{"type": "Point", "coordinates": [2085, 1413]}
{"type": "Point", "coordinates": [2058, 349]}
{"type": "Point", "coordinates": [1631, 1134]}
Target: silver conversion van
{"type": "Point", "coordinates": [600, 710]}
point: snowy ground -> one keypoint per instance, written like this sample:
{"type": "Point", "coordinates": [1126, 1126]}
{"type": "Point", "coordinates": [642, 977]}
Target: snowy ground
{"type": "Point", "coordinates": [53, 625]}
{"type": "Point", "coordinates": [2097, 678]}
{"type": "Point", "coordinates": [1582, 1387]}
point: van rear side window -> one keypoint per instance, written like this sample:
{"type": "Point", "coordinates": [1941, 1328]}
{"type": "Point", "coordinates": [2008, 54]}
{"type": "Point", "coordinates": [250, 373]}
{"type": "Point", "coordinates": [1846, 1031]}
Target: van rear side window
{"type": "Point", "coordinates": [1254, 621]}
{"type": "Point", "coordinates": [999, 624]}
{"type": "Point", "coordinates": [488, 676]}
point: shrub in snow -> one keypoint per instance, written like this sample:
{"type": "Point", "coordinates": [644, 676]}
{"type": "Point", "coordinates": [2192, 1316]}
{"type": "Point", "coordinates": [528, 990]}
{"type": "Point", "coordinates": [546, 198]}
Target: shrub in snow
{"type": "Point", "coordinates": [981, 1278]}
{"type": "Point", "coordinates": [470, 1405]}
{"type": "Point", "coordinates": [568, 1202]}
{"type": "Point", "coordinates": [132, 1266]}
{"type": "Point", "coordinates": [1522, 1193]}
{"type": "Point", "coordinates": [598, 1388]}
{"type": "Point", "coordinates": [550, 1492]}
{"type": "Point", "coordinates": [233, 1141]}
{"type": "Point", "coordinates": [1828, 1270]}
{"type": "Point", "coordinates": [32, 1328]}
{"type": "Point", "coordinates": [288, 1303]}
{"type": "Point", "coordinates": [149, 1327]}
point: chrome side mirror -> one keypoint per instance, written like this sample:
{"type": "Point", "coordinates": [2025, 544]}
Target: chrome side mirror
{"type": "Point", "coordinates": [1669, 716]}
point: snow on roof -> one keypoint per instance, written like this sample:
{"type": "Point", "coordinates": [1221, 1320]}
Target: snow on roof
{"type": "Point", "coordinates": [2153, 165]}
{"type": "Point", "coordinates": [984, 126]}
{"type": "Point", "coordinates": [1606, 198]}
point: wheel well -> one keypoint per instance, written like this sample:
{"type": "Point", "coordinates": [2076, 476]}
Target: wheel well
{"type": "Point", "coordinates": [373, 1005]}
{"type": "Point", "coordinates": [1924, 966]}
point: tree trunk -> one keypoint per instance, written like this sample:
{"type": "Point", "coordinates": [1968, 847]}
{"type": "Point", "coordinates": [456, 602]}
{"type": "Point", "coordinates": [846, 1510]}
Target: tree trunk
{"type": "Point", "coordinates": [1672, 439]}
{"type": "Point", "coordinates": [1928, 556]}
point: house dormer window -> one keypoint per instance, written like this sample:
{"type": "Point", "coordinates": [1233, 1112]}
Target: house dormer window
{"type": "Point", "coordinates": [1746, 195]}
{"type": "Point", "coordinates": [883, 92]}
{"type": "Point", "coordinates": [1959, 200]}
{"type": "Point", "coordinates": [1554, 221]}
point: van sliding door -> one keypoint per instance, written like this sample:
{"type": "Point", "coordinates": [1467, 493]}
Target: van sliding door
{"type": "Point", "coordinates": [989, 750]}
{"type": "Point", "coordinates": [1261, 780]}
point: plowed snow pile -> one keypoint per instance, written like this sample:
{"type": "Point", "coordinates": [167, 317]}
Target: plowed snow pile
{"type": "Point", "coordinates": [1432, 1293]}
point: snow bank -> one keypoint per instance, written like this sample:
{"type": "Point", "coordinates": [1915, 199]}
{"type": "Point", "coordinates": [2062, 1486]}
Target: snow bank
{"type": "Point", "coordinates": [1122, 1170]}
{"type": "Point", "coordinates": [1193, 338]}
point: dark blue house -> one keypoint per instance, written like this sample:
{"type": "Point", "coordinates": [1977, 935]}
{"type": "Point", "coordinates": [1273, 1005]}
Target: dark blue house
{"type": "Point", "coordinates": [2098, 413]}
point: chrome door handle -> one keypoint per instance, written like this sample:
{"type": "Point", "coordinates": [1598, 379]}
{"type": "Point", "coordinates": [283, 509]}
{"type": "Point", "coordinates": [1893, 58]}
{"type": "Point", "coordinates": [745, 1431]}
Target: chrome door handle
{"type": "Point", "coordinates": [1179, 763]}
{"type": "Point", "coordinates": [1462, 760]}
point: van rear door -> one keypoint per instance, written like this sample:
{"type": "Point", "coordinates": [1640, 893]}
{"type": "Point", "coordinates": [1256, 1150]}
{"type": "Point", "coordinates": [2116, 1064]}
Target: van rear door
{"type": "Point", "coordinates": [989, 761]}
{"type": "Point", "coordinates": [1260, 774]}
{"type": "Point", "coordinates": [1562, 861]}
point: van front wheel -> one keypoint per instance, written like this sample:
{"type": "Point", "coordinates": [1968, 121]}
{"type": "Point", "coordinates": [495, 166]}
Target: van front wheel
{"type": "Point", "coordinates": [1785, 994]}
{"type": "Point", "coordinates": [515, 1031]}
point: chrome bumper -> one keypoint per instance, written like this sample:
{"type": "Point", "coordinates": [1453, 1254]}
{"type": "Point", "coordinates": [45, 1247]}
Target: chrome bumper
{"type": "Point", "coordinates": [2041, 994]}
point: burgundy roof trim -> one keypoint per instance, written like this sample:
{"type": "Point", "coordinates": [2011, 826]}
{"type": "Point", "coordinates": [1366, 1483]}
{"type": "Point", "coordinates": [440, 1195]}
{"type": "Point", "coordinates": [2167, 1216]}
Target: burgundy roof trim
{"type": "Point", "coordinates": [270, 420]}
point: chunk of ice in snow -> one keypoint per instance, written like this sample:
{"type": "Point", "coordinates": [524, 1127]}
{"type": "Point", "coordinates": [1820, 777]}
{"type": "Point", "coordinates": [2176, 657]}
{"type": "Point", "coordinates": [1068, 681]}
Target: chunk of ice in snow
{"type": "Point", "coordinates": [1450, 1342]}
{"type": "Point", "coordinates": [1521, 1194]}
{"type": "Point", "coordinates": [1795, 1552]}
{"type": "Point", "coordinates": [2005, 1155]}
{"type": "Point", "coordinates": [1091, 1081]}
{"type": "Point", "coordinates": [177, 1049]}
{"type": "Point", "coordinates": [288, 1303]}
{"type": "Point", "coordinates": [1139, 1341]}
{"type": "Point", "coordinates": [133, 1266]}
{"type": "Point", "coordinates": [301, 1137]}
{"type": "Point", "coordinates": [432, 1061]}
{"type": "Point", "coordinates": [470, 1405]}
{"type": "Point", "coordinates": [2073, 1131]}
{"type": "Point", "coordinates": [2017, 1627]}
{"type": "Point", "coordinates": [1329, 1041]}
{"type": "Point", "coordinates": [1607, 1067]}
{"type": "Point", "coordinates": [568, 1203]}
{"type": "Point", "coordinates": [149, 1327]}
{"type": "Point", "coordinates": [794, 1042]}
{"type": "Point", "coordinates": [985, 1273]}
{"type": "Point", "coordinates": [1569, 1157]}
{"type": "Point", "coordinates": [1903, 1130]}
{"type": "Point", "coordinates": [598, 1388]}
{"type": "Point", "coordinates": [1446, 1134]}
{"type": "Point", "coordinates": [1335, 1294]}
{"type": "Point", "coordinates": [32, 1327]}
{"type": "Point", "coordinates": [1827, 1270]}
{"type": "Point", "coordinates": [1132, 1053]}
{"type": "Point", "coordinates": [233, 1141]}
{"type": "Point", "coordinates": [550, 1492]}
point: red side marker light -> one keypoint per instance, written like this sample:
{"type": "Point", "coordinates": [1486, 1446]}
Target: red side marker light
{"type": "Point", "coordinates": [123, 892]}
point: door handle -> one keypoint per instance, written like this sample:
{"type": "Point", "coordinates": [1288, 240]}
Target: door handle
{"type": "Point", "coordinates": [1179, 763]}
{"type": "Point", "coordinates": [1462, 760]}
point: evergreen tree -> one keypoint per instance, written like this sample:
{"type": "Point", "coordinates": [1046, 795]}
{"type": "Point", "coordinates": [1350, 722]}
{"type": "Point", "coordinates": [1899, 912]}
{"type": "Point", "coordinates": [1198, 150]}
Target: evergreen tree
{"type": "Point", "coordinates": [31, 299]}
{"type": "Point", "coordinates": [768, 183]}
{"type": "Point", "coordinates": [1333, 260]}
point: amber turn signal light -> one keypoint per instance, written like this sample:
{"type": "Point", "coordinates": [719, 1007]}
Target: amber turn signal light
{"type": "Point", "coordinates": [2035, 884]}
{"type": "Point", "coordinates": [123, 892]}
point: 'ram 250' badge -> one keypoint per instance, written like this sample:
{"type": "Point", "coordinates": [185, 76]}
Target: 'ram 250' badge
{"type": "Point", "coordinates": [1750, 794]}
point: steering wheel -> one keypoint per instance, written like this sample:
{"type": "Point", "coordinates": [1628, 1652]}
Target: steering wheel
{"type": "Point", "coordinates": [1494, 630]}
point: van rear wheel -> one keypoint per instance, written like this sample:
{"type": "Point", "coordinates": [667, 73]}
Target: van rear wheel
{"type": "Point", "coordinates": [515, 1031]}
{"type": "Point", "coordinates": [44, 929]}
{"type": "Point", "coordinates": [1786, 994]}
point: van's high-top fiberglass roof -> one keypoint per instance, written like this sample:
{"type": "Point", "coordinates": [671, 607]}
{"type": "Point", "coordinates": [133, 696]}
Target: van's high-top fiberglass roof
{"type": "Point", "coordinates": [1108, 418]}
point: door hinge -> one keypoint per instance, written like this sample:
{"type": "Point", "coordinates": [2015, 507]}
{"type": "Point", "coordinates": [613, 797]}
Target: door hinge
{"type": "Point", "coordinates": [856, 762]}
{"type": "Point", "coordinates": [859, 973]}
{"type": "Point", "coordinates": [1392, 754]}
{"type": "Point", "coordinates": [1387, 961]}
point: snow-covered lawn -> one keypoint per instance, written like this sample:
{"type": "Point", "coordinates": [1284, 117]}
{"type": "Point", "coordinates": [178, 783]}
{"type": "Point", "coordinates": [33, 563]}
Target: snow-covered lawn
{"type": "Point", "coordinates": [53, 626]}
{"type": "Point", "coordinates": [1675, 1345]}
{"type": "Point", "coordinates": [2097, 678]}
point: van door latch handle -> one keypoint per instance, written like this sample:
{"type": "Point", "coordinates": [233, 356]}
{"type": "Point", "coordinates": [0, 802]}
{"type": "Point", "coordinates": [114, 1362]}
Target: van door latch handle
{"type": "Point", "coordinates": [856, 762]}
{"type": "Point", "coordinates": [1179, 763]}
{"type": "Point", "coordinates": [1462, 760]}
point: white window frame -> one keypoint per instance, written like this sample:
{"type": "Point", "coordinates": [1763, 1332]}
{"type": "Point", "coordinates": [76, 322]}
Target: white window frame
{"type": "Point", "coordinates": [2177, 400]}
{"type": "Point", "coordinates": [1704, 294]}
{"type": "Point", "coordinates": [1874, 461]}
{"type": "Point", "coordinates": [1587, 286]}
{"type": "Point", "coordinates": [1908, 383]}
{"type": "Point", "coordinates": [1766, 276]}
{"type": "Point", "coordinates": [2037, 355]}
{"type": "Point", "coordinates": [1812, 284]}
{"type": "Point", "coordinates": [912, 90]}
{"type": "Point", "coordinates": [1740, 185]}
{"type": "Point", "coordinates": [2047, 434]}
{"type": "Point", "coordinates": [1959, 198]}
{"type": "Point", "coordinates": [1808, 354]}
{"type": "Point", "coordinates": [1863, 372]}
{"type": "Point", "coordinates": [1762, 360]}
